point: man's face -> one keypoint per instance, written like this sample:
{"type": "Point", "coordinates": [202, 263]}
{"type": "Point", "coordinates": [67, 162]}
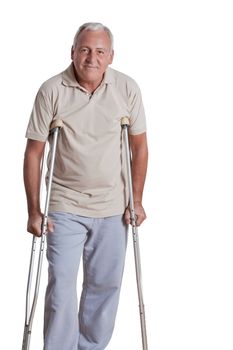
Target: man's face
{"type": "Point", "coordinates": [91, 56]}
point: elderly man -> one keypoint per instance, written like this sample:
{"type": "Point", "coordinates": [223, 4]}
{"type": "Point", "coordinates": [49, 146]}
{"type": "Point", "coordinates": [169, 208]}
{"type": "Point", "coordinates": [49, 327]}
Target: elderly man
{"type": "Point", "coordinates": [88, 207]}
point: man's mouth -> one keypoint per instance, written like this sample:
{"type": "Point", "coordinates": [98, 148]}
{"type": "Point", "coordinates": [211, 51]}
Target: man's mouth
{"type": "Point", "coordinates": [90, 67]}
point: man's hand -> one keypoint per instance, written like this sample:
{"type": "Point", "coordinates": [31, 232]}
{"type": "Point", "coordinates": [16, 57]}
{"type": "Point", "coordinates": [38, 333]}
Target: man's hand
{"type": "Point", "coordinates": [34, 224]}
{"type": "Point", "coordinates": [139, 212]}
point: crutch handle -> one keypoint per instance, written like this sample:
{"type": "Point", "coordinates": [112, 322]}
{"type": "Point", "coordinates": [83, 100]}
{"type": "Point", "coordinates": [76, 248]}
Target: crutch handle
{"type": "Point", "coordinates": [57, 123]}
{"type": "Point", "coordinates": [125, 121]}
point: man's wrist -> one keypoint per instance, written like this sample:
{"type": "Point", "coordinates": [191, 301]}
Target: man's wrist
{"type": "Point", "coordinates": [33, 212]}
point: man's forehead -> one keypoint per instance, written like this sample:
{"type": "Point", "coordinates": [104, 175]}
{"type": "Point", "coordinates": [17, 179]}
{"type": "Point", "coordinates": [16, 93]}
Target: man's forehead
{"type": "Point", "coordinates": [96, 37]}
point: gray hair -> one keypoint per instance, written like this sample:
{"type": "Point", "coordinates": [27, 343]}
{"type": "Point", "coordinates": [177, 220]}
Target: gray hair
{"type": "Point", "coordinates": [93, 26]}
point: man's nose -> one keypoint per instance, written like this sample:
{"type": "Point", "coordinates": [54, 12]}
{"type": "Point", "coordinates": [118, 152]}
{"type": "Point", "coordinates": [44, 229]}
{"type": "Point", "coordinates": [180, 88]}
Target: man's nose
{"type": "Point", "coordinates": [91, 57]}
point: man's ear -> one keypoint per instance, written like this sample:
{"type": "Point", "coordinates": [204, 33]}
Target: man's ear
{"type": "Point", "coordinates": [111, 57]}
{"type": "Point", "coordinates": [72, 52]}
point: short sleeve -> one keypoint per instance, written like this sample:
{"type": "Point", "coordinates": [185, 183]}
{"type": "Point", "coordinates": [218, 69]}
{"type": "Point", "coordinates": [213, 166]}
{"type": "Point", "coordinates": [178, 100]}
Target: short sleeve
{"type": "Point", "coordinates": [41, 117]}
{"type": "Point", "coordinates": [137, 112]}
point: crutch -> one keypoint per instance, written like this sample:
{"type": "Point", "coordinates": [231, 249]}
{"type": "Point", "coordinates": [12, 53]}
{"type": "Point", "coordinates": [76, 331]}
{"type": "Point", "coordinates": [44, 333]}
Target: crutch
{"type": "Point", "coordinates": [125, 126]}
{"type": "Point", "coordinates": [30, 309]}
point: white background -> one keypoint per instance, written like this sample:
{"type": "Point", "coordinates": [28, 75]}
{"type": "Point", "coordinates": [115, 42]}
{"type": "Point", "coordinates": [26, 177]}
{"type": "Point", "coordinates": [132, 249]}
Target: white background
{"type": "Point", "coordinates": [180, 53]}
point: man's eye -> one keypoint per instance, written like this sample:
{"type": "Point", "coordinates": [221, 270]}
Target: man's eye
{"type": "Point", "coordinates": [100, 52]}
{"type": "Point", "coordinates": [84, 50]}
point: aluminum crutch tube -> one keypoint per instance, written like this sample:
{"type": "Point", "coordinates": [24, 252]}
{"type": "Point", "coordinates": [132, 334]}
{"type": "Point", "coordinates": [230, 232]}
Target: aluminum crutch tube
{"type": "Point", "coordinates": [125, 126]}
{"type": "Point", "coordinates": [29, 315]}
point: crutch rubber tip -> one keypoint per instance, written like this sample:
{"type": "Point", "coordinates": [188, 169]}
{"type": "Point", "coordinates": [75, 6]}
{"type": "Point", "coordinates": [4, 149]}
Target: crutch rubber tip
{"type": "Point", "coordinates": [57, 123]}
{"type": "Point", "coordinates": [124, 121]}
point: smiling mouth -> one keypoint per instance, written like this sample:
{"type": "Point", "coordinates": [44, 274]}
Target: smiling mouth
{"type": "Point", "coordinates": [90, 67]}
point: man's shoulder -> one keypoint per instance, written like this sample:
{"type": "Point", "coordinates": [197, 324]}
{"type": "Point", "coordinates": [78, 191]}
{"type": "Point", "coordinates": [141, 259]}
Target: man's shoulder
{"type": "Point", "coordinates": [121, 77]}
{"type": "Point", "coordinates": [52, 83]}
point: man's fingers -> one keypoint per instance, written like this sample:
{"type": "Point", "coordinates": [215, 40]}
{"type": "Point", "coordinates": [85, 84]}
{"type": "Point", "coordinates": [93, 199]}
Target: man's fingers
{"type": "Point", "coordinates": [50, 225]}
{"type": "Point", "coordinates": [140, 215]}
{"type": "Point", "coordinates": [140, 212]}
{"type": "Point", "coordinates": [127, 217]}
{"type": "Point", "coordinates": [34, 228]}
{"type": "Point", "coordinates": [139, 220]}
{"type": "Point", "coordinates": [35, 225]}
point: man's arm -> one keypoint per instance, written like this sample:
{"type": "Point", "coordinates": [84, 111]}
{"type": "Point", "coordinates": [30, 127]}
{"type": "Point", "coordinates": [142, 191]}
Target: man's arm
{"type": "Point", "coordinates": [32, 173]}
{"type": "Point", "coordinates": [138, 144]}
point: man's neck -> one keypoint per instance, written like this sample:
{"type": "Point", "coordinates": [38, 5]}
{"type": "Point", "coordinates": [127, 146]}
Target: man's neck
{"type": "Point", "coordinates": [88, 86]}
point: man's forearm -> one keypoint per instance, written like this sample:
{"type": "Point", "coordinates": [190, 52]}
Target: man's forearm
{"type": "Point", "coordinates": [32, 161]}
{"type": "Point", "coordinates": [139, 165]}
{"type": "Point", "coordinates": [32, 184]}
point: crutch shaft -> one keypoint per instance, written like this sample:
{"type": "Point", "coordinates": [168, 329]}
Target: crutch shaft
{"type": "Point", "coordinates": [30, 313]}
{"type": "Point", "coordinates": [125, 125]}
{"type": "Point", "coordinates": [26, 338]}
{"type": "Point", "coordinates": [30, 274]}
{"type": "Point", "coordinates": [139, 286]}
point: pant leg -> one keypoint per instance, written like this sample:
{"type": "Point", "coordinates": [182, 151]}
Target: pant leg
{"type": "Point", "coordinates": [103, 261]}
{"type": "Point", "coordinates": [64, 249]}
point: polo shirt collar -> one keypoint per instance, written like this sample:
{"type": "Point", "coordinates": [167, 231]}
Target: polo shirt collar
{"type": "Point", "coordinates": [68, 77]}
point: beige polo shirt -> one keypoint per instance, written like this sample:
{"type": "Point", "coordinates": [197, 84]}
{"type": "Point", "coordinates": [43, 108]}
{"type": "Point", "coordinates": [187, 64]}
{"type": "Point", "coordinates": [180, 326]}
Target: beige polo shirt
{"type": "Point", "coordinates": [90, 173]}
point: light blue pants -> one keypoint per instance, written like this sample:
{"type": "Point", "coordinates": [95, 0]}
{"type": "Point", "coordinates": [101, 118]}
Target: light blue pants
{"type": "Point", "coordinates": [103, 245]}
